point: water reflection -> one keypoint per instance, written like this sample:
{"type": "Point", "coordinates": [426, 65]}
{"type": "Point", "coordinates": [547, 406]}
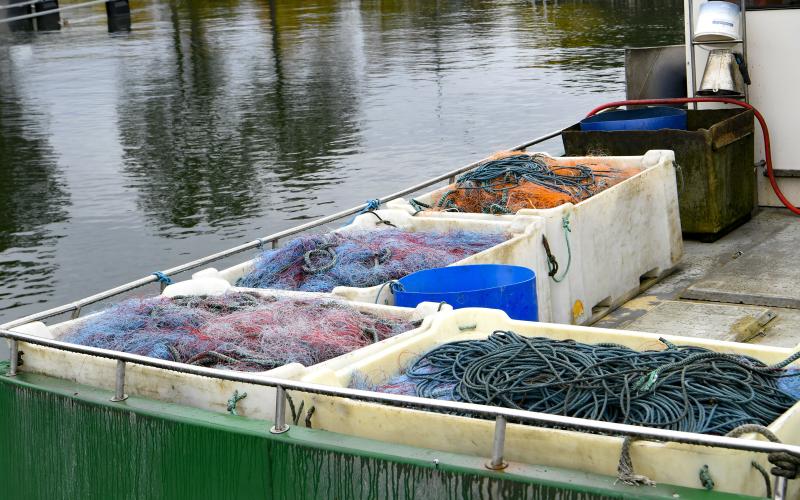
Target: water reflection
{"type": "Point", "coordinates": [177, 128]}
{"type": "Point", "coordinates": [33, 195]}
{"type": "Point", "coordinates": [211, 139]}
{"type": "Point", "coordinates": [214, 121]}
{"type": "Point", "coordinates": [313, 98]}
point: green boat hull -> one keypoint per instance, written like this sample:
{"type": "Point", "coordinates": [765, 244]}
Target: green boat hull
{"type": "Point", "coordinates": [63, 440]}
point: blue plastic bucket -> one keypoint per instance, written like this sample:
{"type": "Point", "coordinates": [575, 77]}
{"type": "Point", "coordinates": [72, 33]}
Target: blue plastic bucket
{"type": "Point", "coordinates": [655, 118]}
{"type": "Point", "coordinates": [509, 288]}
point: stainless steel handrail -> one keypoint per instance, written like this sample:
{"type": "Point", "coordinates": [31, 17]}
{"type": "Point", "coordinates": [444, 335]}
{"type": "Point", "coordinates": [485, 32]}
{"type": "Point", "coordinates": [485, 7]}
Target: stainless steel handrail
{"type": "Point", "coordinates": [580, 424]}
{"type": "Point", "coordinates": [273, 238]}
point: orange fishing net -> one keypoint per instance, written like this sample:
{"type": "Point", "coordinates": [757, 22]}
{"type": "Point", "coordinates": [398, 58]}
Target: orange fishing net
{"type": "Point", "coordinates": [512, 180]}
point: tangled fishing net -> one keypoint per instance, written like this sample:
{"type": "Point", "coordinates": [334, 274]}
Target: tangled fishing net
{"type": "Point", "coordinates": [319, 263]}
{"type": "Point", "coordinates": [514, 180]}
{"type": "Point", "coordinates": [239, 331]}
{"type": "Point", "coordinates": [681, 388]}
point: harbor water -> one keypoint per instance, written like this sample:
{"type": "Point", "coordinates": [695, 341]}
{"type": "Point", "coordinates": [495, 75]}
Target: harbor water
{"type": "Point", "coordinates": [211, 123]}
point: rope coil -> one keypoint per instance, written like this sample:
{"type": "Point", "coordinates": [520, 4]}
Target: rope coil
{"type": "Point", "coordinates": [515, 180]}
{"type": "Point", "coordinates": [697, 390]}
{"type": "Point", "coordinates": [321, 253]}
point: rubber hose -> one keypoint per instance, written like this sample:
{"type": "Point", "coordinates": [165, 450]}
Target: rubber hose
{"type": "Point", "coordinates": [725, 100]}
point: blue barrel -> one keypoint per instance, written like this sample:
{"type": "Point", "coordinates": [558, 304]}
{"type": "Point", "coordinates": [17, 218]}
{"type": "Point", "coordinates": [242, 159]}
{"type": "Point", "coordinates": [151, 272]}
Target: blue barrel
{"type": "Point", "coordinates": [655, 118]}
{"type": "Point", "coordinates": [509, 288]}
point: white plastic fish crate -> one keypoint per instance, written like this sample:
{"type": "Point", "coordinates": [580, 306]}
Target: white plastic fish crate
{"type": "Point", "coordinates": [187, 389]}
{"type": "Point", "coordinates": [669, 463]}
{"type": "Point", "coordinates": [621, 238]}
{"type": "Point", "coordinates": [523, 248]}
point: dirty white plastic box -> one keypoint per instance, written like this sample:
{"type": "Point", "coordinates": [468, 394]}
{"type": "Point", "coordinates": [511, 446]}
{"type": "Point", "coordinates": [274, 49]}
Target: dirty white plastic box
{"type": "Point", "coordinates": [187, 389]}
{"type": "Point", "coordinates": [619, 239]}
{"type": "Point", "coordinates": [669, 463]}
{"type": "Point", "coordinates": [522, 248]}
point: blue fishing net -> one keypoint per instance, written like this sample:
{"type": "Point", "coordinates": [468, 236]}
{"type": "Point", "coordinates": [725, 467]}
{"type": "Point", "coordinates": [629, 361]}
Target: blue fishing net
{"type": "Point", "coordinates": [240, 331]}
{"type": "Point", "coordinates": [319, 263]}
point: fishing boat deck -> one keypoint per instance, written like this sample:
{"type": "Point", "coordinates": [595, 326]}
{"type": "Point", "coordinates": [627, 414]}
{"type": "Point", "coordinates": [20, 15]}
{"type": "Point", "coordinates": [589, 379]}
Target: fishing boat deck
{"type": "Point", "coordinates": [742, 287]}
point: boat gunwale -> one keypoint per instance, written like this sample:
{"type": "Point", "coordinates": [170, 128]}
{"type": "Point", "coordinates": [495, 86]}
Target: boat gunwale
{"type": "Point", "coordinates": [578, 424]}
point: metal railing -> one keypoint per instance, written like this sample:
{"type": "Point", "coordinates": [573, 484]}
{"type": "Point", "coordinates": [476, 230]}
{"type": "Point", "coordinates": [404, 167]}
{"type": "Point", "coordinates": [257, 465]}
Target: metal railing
{"type": "Point", "coordinates": [48, 12]}
{"type": "Point", "coordinates": [500, 415]}
{"type": "Point", "coordinates": [75, 307]}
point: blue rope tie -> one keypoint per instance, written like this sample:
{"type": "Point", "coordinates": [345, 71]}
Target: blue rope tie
{"type": "Point", "coordinates": [370, 206]}
{"type": "Point", "coordinates": [163, 278]}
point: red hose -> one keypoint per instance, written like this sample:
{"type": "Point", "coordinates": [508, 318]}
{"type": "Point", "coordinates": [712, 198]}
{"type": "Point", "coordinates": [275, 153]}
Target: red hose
{"type": "Point", "coordinates": [685, 100]}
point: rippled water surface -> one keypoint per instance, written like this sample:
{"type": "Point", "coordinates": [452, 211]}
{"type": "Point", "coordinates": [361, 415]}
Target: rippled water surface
{"type": "Point", "coordinates": [214, 122]}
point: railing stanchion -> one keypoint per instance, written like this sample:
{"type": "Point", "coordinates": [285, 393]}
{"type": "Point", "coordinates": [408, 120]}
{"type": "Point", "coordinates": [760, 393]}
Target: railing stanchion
{"type": "Point", "coordinates": [497, 462]}
{"type": "Point", "coordinates": [780, 487]}
{"type": "Point", "coordinates": [119, 389]}
{"type": "Point", "coordinates": [14, 359]}
{"type": "Point", "coordinates": [76, 312]}
{"type": "Point", "coordinates": [280, 412]}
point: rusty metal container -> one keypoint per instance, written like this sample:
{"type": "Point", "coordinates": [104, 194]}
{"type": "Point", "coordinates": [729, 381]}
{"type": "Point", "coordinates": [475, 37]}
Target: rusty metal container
{"type": "Point", "coordinates": [716, 178]}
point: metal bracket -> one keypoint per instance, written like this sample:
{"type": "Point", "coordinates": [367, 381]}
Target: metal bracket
{"type": "Point", "coordinates": [280, 412]}
{"type": "Point", "coordinates": [497, 462]}
{"type": "Point", "coordinates": [119, 390]}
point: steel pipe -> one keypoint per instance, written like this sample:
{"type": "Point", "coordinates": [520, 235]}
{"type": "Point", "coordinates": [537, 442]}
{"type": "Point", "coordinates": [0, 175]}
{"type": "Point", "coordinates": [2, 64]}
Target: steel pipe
{"type": "Point", "coordinates": [280, 412]}
{"type": "Point", "coordinates": [526, 145]}
{"type": "Point", "coordinates": [19, 4]}
{"type": "Point", "coordinates": [13, 358]}
{"type": "Point", "coordinates": [119, 386]}
{"type": "Point", "coordinates": [497, 462]}
{"type": "Point", "coordinates": [779, 489]}
{"type": "Point", "coordinates": [53, 11]}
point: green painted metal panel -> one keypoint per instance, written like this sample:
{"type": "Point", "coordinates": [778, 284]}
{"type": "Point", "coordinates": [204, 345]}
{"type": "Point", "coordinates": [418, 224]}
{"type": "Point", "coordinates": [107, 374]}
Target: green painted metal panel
{"type": "Point", "coordinates": [62, 440]}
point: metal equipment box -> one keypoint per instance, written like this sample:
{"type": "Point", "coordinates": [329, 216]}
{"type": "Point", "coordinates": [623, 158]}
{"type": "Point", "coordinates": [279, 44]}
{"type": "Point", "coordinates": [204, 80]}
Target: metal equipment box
{"type": "Point", "coordinates": [716, 172]}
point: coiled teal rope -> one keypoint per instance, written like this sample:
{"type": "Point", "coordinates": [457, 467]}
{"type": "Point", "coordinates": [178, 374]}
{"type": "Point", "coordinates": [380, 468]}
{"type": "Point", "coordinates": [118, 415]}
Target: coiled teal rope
{"type": "Point", "coordinates": [580, 180]}
{"type": "Point", "coordinates": [696, 390]}
{"type": "Point", "coordinates": [500, 176]}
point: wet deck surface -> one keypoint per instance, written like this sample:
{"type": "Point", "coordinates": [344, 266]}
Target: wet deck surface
{"type": "Point", "coordinates": [744, 287]}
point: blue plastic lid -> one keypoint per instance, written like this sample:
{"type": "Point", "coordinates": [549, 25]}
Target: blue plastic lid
{"type": "Point", "coordinates": [653, 118]}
